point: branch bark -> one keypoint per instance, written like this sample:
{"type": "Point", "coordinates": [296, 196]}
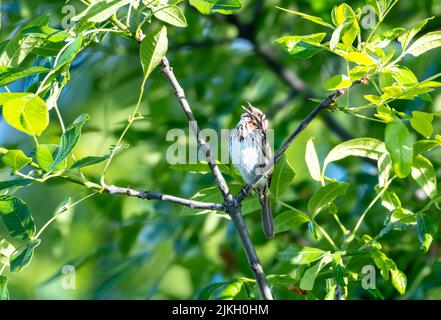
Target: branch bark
{"type": "Point", "coordinates": [151, 195]}
{"type": "Point", "coordinates": [232, 207]}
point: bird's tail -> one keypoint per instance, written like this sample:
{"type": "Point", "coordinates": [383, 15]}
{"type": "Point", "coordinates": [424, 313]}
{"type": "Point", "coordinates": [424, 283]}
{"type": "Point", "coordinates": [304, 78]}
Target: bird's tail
{"type": "Point", "coordinates": [267, 216]}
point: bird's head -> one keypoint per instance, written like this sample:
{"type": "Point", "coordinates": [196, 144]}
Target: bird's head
{"type": "Point", "coordinates": [254, 114]}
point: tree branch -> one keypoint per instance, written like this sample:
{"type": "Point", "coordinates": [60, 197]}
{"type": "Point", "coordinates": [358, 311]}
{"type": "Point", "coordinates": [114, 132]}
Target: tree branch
{"type": "Point", "coordinates": [151, 195]}
{"type": "Point", "coordinates": [231, 206]}
{"type": "Point", "coordinates": [167, 70]}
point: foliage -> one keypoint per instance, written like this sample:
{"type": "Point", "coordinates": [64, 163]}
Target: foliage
{"type": "Point", "coordinates": [380, 209]}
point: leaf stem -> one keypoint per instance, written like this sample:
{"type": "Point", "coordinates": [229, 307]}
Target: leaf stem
{"type": "Point", "coordinates": [326, 235]}
{"type": "Point", "coordinates": [132, 119]}
{"type": "Point", "coordinates": [61, 211]}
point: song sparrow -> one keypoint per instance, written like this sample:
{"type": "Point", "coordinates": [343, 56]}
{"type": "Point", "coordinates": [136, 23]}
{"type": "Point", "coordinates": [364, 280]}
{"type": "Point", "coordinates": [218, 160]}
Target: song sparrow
{"type": "Point", "coordinates": [251, 155]}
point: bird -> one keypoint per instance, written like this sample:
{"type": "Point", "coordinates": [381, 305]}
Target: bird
{"type": "Point", "coordinates": [251, 154]}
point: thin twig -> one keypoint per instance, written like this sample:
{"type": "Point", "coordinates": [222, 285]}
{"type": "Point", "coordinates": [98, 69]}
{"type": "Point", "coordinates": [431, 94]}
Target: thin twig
{"type": "Point", "coordinates": [151, 195]}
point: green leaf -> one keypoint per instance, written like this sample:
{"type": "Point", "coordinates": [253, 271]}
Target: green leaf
{"type": "Point", "coordinates": [383, 263]}
{"type": "Point", "coordinates": [360, 147]}
{"type": "Point", "coordinates": [400, 146]}
{"type": "Point", "coordinates": [399, 280]}
{"type": "Point", "coordinates": [314, 19]}
{"type": "Point", "coordinates": [217, 6]}
{"type": "Point", "coordinates": [300, 255]}
{"type": "Point", "coordinates": [360, 58]}
{"type": "Point", "coordinates": [6, 250]}
{"type": "Point", "coordinates": [222, 291]}
{"type": "Point", "coordinates": [153, 49]}
{"type": "Point", "coordinates": [171, 15]}
{"type": "Point", "coordinates": [70, 53]}
{"type": "Point", "coordinates": [282, 177]}
{"type": "Point", "coordinates": [4, 294]}
{"type": "Point", "coordinates": [16, 159]}
{"type": "Point", "coordinates": [427, 42]}
{"type": "Point", "coordinates": [339, 81]}
{"type": "Point", "coordinates": [403, 76]}
{"type": "Point", "coordinates": [422, 146]}
{"type": "Point", "coordinates": [312, 161]}
{"type": "Point", "coordinates": [16, 217]}
{"type": "Point", "coordinates": [347, 30]}
{"type": "Point", "coordinates": [203, 168]}
{"type": "Point", "coordinates": [308, 279]}
{"type": "Point", "coordinates": [324, 195]}
{"type": "Point", "coordinates": [6, 96]}
{"type": "Point", "coordinates": [44, 155]}
{"type": "Point", "coordinates": [302, 47]}
{"type": "Point", "coordinates": [21, 258]}
{"type": "Point", "coordinates": [426, 230]}
{"type": "Point", "coordinates": [384, 165]}
{"type": "Point", "coordinates": [380, 6]}
{"type": "Point", "coordinates": [422, 123]}
{"type": "Point", "coordinates": [424, 174]}
{"type": "Point", "coordinates": [28, 114]}
{"type": "Point", "coordinates": [88, 161]}
{"type": "Point", "coordinates": [9, 75]}
{"type": "Point", "coordinates": [409, 34]}
{"type": "Point", "coordinates": [289, 220]}
{"type": "Point", "coordinates": [69, 139]}
{"type": "Point", "coordinates": [11, 184]}
{"type": "Point", "coordinates": [390, 201]}
{"type": "Point", "coordinates": [18, 49]}
{"type": "Point", "coordinates": [101, 10]}
{"type": "Point", "coordinates": [384, 39]}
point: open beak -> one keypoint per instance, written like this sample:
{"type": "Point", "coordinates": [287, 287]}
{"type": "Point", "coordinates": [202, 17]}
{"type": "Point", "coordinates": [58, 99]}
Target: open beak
{"type": "Point", "coordinates": [248, 108]}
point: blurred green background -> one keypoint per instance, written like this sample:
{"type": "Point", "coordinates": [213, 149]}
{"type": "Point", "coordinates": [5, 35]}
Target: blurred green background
{"type": "Point", "coordinates": [126, 248]}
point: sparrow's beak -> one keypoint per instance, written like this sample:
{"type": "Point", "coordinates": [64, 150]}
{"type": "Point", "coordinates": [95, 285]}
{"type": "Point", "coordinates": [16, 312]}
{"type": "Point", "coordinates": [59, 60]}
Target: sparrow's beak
{"type": "Point", "coordinates": [248, 108]}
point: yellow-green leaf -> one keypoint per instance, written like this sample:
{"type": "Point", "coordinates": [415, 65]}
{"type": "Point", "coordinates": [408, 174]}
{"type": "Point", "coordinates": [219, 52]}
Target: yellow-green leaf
{"type": "Point", "coordinates": [28, 114]}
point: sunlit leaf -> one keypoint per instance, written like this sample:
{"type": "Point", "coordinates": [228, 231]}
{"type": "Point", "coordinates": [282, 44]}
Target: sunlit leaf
{"type": "Point", "coordinates": [314, 19]}
{"type": "Point", "coordinates": [21, 258]}
{"type": "Point", "coordinates": [425, 175]}
{"type": "Point", "coordinates": [217, 6]}
{"type": "Point", "coordinates": [16, 159]}
{"type": "Point", "coordinates": [16, 217]}
{"type": "Point", "coordinates": [28, 114]}
{"type": "Point", "coordinates": [299, 255]}
{"type": "Point", "coordinates": [400, 146]}
{"type": "Point", "coordinates": [324, 195]}
{"type": "Point", "coordinates": [153, 49]}
{"type": "Point", "coordinates": [69, 139]}
{"type": "Point", "coordinates": [282, 177]}
{"type": "Point", "coordinates": [426, 229]}
{"type": "Point", "coordinates": [312, 161]}
{"type": "Point", "coordinates": [339, 81]}
{"type": "Point", "coordinates": [427, 42]}
{"type": "Point", "coordinates": [308, 279]}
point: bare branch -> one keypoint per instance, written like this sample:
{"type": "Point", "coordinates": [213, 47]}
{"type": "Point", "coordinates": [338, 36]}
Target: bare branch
{"type": "Point", "coordinates": [180, 94]}
{"type": "Point", "coordinates": [151, 195]}
{"type": "Point", "coordinates": [231, 206]}
{"type": "Point", "coordinates": [253, 260]}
